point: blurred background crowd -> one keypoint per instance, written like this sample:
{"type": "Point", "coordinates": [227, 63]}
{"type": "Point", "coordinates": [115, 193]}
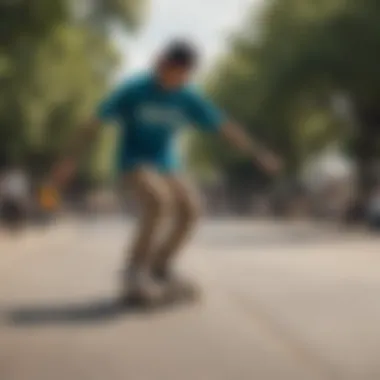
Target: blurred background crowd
{"type": "Point", "coordinates": [302, 75]}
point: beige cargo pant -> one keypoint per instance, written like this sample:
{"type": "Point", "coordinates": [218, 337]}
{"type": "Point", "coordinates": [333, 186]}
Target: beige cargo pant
{"type": "Point", "coordinates": [164, 200]}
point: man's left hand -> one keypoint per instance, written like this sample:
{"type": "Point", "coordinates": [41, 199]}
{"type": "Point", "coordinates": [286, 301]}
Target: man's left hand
{"type": "Point", "coordinates": [269, 162]}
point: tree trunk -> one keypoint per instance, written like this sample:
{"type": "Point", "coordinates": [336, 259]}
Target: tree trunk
{"type": "Point", "coordinates": [365, 153]}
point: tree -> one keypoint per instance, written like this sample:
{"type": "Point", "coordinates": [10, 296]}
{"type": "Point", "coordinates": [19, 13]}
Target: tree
{"type": "Point", "coordinates": [55, 62]}
{"type": "Point", "coordinates": [334, 53]}
{"type": "Point", "coordinates": [279, 80]}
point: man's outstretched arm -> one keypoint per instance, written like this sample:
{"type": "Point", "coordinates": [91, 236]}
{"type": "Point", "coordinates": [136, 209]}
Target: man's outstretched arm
{"type": "Point", "coordinates": [85, 135]}
{"type": "Point", "coordinates": [107, 111]}
{"type": "Point", "coordinates": [209, 118]}
{"type": "Point", "coordinates": [249, 146]}
{"type": "Point", "coordinates": [67, 165]}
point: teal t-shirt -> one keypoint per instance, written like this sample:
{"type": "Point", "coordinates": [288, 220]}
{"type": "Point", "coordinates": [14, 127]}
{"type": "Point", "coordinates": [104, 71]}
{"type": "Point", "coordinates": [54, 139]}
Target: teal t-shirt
{"type": "Point", "coordinates": [151, 119]}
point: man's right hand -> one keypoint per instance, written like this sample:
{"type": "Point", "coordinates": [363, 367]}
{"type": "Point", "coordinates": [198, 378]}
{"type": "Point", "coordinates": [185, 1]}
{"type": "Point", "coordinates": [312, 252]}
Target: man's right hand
{"type": "Point", "coordinates": [65, 169]}
{"type": "Point", "coordinates": [269, 162]}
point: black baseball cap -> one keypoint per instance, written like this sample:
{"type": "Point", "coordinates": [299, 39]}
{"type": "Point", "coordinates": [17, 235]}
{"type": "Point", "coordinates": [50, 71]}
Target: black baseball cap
{"type": "Point", "coordinates": [181, 53]}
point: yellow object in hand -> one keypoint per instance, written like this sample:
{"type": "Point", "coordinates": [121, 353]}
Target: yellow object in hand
{"type": "Point", "coordinates": [49, 198]}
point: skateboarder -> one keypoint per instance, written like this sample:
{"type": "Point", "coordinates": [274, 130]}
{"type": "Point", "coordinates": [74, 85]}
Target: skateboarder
{"type": "Point", "coordinates": [151, 110]}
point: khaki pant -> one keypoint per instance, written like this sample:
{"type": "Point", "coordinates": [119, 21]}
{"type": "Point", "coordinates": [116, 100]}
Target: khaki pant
{"type": "Point", "coordinates": [161, 198]}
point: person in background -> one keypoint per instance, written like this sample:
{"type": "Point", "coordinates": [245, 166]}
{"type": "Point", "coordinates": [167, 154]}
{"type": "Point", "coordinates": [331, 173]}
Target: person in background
{"type": "Point", "coordinates": [15, 195]}
{"type": "Point", "coordinates": [151, 110]}
{"type": "Point", "coordinates": [374, 209]}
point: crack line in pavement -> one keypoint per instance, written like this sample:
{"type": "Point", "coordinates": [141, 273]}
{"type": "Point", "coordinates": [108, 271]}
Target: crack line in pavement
{"type": "Point", "coordinates": [294, 345]}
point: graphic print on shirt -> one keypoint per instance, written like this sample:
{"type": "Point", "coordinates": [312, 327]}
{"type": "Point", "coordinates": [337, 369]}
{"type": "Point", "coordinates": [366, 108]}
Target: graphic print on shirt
{"type": "Point", "coordinates": [167, 117]}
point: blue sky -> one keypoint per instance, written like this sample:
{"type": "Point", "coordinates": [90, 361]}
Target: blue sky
{"type": "Point", "coordinates": [207, 22]}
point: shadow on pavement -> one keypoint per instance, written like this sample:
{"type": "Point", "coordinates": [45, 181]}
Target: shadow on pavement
{"type": "Point", "coordinates": [92, 312]}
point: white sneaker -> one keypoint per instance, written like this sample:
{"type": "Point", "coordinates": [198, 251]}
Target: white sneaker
{"type": "Point", "coordinates": [139, 286]}
{"type": "Point", "coordinates": [176, 286]}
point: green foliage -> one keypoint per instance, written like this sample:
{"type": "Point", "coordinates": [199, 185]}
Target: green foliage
{"type": "Point", "coordinates": [128, 12]}
{"type": "Point", "coordinates": [54, 66]}
{"type": "Point", "coordinates": [283, 69]}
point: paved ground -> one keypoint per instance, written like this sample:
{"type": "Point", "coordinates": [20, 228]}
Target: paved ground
{"type": "Point", "coordinates": [281, 301]}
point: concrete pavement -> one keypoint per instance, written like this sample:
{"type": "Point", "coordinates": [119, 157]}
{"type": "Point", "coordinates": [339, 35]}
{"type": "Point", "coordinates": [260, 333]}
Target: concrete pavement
{"type": "Point", "coordinates": [281, 301]}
